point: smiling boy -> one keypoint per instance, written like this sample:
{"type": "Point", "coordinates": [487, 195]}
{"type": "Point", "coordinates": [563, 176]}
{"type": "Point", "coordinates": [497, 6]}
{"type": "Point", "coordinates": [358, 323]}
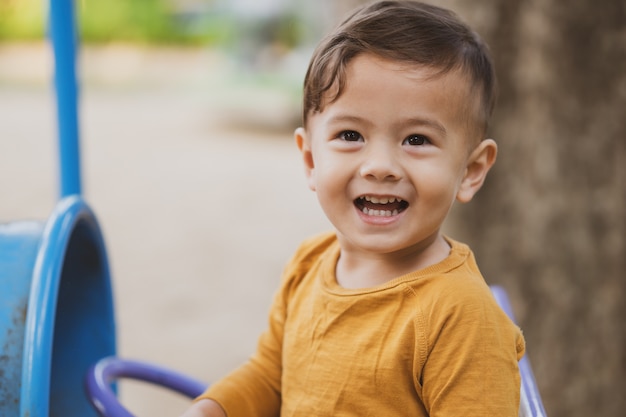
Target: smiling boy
{"type": "Point", "coordinates": [387, 159]}
{"type": "Point", "coordinates": [385, 316]}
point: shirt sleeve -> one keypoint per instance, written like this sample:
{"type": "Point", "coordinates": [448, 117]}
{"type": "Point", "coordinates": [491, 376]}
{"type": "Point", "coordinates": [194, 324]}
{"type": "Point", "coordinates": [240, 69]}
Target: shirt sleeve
{"type": "Point", "coordinates": [472, 365]}
{"type": "Point", "coordinates": [254, 389]}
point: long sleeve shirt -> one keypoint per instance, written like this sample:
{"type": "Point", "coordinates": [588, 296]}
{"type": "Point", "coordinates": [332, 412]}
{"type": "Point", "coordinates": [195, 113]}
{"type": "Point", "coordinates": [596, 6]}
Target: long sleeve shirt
{"type": "Point", "coordinates": [430, 343]}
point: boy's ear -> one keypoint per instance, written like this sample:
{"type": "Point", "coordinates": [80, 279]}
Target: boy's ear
{"type": "Point", "coordinates": [304, 144]}
{"type": "Point", "coordinates": [479, 162]}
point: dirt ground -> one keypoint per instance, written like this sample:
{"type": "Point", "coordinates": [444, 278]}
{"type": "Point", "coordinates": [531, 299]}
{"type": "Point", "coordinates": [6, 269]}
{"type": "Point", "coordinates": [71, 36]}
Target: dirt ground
{"type": "Point", "coordinates": [197, 185]}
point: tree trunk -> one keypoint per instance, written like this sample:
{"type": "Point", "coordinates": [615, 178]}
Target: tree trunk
{"type": "Point", "coordinates": [549, 223]}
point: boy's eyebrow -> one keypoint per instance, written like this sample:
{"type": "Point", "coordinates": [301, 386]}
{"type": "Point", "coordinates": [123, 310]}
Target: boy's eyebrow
{"type": "Point", "coordinates": [434, 124]}
{"type": "Point", "coordinates": [347, 118]}
{"type": "Point", "coordinates": [413, 121]}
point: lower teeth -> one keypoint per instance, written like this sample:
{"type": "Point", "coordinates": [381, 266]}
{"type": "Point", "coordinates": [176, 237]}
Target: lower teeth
{"type": "Point", "coordinates": [380, 213]}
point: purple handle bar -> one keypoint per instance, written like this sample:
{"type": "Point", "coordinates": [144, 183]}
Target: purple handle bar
{"type": "Point", "coordinates": [104, 373]}
{"type": "Point", "coordinates": [531, 404]}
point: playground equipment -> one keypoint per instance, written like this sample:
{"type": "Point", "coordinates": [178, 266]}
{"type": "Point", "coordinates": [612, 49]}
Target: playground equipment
{"type": "Point", "coordinates": [57, 327]}
{"type": "Point", "coordinates": [56, 309]}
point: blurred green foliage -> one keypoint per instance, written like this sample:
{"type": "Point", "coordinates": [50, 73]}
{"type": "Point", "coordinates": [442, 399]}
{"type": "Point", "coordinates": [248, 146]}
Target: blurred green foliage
{"type": "Point", "coordinates": [22, 19]}
{"type": "Point", "coordinates": [144, 21]}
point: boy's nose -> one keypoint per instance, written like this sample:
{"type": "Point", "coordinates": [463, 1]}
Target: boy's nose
{"type": "Point", "coordinates": [380, 164]}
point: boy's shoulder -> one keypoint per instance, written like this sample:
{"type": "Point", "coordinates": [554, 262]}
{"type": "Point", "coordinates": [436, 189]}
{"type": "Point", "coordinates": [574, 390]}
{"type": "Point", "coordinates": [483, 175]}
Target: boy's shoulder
{"type": "Point", "coordinates": [312, 248]}
{"type": "Point", "coordinates": [456, 282]}
{"type": "Point", "coordinates": [315, 245]}
{"type": "Point", "coordinates": [459, 293]}
{"type": "Point", "coordinates": [310, 252]}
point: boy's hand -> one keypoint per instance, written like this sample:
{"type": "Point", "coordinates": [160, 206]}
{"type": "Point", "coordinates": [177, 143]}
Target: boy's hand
{"type": "Point", "coordinates": [205, 408]}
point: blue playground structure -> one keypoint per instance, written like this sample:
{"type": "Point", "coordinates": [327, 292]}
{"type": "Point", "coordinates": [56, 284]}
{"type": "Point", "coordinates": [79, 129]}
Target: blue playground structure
{"type": "Point", "coordinates": [57, 325]}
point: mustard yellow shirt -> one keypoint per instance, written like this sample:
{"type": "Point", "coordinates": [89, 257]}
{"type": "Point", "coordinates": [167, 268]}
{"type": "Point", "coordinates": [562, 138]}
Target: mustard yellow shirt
{"type": "Point", "coordinates": [430, 343]}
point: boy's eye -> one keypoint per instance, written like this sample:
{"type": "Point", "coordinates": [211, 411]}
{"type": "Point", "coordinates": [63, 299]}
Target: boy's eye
{"type": "Point", "coordinates": [416, 140]}
{"type": "Point", "coordinates": [350, 136]}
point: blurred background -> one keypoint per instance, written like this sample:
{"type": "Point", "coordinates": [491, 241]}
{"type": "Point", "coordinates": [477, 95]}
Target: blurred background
{"type": "Point", "coordinates": [187, 111]}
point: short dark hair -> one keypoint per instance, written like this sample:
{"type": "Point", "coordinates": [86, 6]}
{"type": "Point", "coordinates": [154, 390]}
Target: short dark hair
{"type": "Point", "coordinates": [406, 31]}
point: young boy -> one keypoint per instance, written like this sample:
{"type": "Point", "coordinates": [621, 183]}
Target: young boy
{"type": "Point", "coordinates": [385, 316]}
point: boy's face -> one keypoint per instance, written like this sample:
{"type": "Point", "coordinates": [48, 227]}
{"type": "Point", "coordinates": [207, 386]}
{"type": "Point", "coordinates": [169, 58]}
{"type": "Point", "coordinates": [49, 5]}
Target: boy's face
{"type": "Point", "coordinates": [388, 158]}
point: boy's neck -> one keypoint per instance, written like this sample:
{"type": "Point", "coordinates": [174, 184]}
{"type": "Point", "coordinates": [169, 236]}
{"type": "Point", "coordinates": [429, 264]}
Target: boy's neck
{"type": "Point", "coordinates": [356, 269]}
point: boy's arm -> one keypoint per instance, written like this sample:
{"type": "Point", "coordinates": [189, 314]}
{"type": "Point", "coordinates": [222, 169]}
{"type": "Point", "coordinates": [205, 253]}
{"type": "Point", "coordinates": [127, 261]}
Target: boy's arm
{"type": "Point", "coordinates": [204, 408]}
{"type": "Point", "coordinates": [472, 368]}
{"type": "Point", "coordinates": [254, 388]}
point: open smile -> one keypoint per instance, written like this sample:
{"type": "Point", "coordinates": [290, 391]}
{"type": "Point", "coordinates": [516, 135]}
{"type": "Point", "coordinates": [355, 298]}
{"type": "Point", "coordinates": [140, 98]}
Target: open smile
{"type": "Point", "coordinates": [380, 206]}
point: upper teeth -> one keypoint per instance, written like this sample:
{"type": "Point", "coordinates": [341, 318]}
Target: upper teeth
{"type": "Point", "coordinates": [382, 200]}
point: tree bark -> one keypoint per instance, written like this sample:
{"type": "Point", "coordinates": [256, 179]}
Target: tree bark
{"type": "Point", "coordinates": [549, 223]}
